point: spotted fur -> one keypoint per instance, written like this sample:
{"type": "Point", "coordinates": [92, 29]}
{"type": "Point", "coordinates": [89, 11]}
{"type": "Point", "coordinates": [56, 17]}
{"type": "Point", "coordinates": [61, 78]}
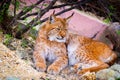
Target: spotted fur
{"type": "Point", "coordinates": [86, 54]}
{"type": "Point", "coordinates": [50, 45]}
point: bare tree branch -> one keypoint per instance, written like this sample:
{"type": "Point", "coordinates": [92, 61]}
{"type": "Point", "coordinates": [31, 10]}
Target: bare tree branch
{"type": "Point", "coordinates": [59, 13]}
{"type": "Point", "coordinates": [54, 7]}
{"type": "Point", "coordinates": [67, 4]}
{"type": "Point", "coordinates": [15, 8]}
{"type": "Point", "coordinates": [63, 11]}
{"type": "Point", "coordinates": [4, 5]}
{"type": "Point", "coordinates": [29, 25]}
{"type": "Point", "coordinates": [28, 15]}
{"type": "Point", "coordinates": [23, 12]}
{"type": "Point", "coordinates": [32, 14]}
{"type": "Point", "coordinates": [36, 20]}
{"type": "Point", "coordinates": [106, 5]}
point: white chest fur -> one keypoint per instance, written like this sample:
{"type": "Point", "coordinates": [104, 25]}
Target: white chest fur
{"type": "Point", "coordinates": [71, 53]}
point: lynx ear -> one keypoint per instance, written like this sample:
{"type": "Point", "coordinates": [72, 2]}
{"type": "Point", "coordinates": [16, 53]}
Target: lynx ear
{"type": "Point", "coordinates": [52, 17]}
{"type": "Point", "coordinates": [68, 18]}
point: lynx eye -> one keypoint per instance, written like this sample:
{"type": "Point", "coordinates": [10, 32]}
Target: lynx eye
{"type": "Point", "coordinates": [53, 29]}
{"type": "Point", "coordinates": [65, 29]}
{"type": "Point", "coordinates": [58, 29]}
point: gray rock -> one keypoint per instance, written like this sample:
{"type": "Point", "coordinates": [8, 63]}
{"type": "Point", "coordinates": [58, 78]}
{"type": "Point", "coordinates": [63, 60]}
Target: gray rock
{"type": "Point", "coordinates": [111, 73]}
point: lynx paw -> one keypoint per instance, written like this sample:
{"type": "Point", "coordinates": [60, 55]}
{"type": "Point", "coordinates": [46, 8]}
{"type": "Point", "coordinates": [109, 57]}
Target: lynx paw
{"type": "Point", "coordinates": [40, 67]}
{"type": "Point", "coordinates": [53, 70]}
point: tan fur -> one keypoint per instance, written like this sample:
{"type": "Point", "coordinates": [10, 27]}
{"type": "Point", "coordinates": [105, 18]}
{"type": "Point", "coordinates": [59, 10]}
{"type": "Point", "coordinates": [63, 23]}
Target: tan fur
{"type": "Point", "coordinates": [50, 46]}
{"type": "Point", "coordinates": [86, 54]}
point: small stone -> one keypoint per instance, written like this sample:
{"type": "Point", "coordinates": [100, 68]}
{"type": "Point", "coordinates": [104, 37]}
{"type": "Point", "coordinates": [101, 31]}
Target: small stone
{"type": "Point", "coordinates": [0, 61]}
{"type": "Point", "coordinates": [105, 74]}
{"type": "Point", "coordinates": [12, 78]}
{"type": "Point", "coordinates": [115, 67]}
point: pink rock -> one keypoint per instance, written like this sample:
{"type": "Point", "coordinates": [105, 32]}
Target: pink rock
{"type": "Point", "coordinates": [85, 25]}
{"type": "Point", "coordinates": [81, 22]}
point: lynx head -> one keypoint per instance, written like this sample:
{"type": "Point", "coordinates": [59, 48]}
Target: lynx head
{"type": "Point", "coordinates": [57, 28]}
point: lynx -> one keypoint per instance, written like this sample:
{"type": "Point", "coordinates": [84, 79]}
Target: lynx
{"type": "Point", "coordinates": [50, 45]}
{"type": "Point", "coordinates": [86, 54]}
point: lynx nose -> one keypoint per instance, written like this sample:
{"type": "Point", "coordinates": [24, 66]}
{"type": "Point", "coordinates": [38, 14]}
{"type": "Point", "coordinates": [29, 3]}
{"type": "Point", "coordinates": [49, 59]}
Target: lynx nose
{"type": "Point", "coordinates": [62, 37]}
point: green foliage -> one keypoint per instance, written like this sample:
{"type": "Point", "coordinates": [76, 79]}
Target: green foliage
{"type": "Point", "coordinates": [46, 79]}
{"type": "Point", "coordinates": [33, 28]}
{"type": "Point", "coordinates": [17, 4]}
{"type": "Point", "coordinates": [38, 22]}
{"type": "Point", "coordinates": [118, 32]}
{"type": "Point", "coordinates": [33, 33]}
{"type": "Point", "coordinates": [45, 4]}
{"type": "Point", "coordinates": [5, 6]}
{"type": "Point", "coordinates": [112, 8]}
{"type": "Point", "coordinates": [110, 14]}
{"type": "Point", "coordinates": [7, 39]}
{"type": "Point", "coordinates": [1, 31]}
{"type": "Point", "coordinates": [19, 27]}
{"type": "Point", "coordinates": [27, 9]}
{"type": "Point", "coordinates": [3, 11]}
{"type": "Point", "coordinates": [1, 17]}
{"type": "Point", "coordinates": [28, 25]}
{"type": "Point", "coordinates": [118, 79]}
{"type": "Point", "coordinates": [24, 43]}
{"type": "Point", "coordinates": [107, 20]}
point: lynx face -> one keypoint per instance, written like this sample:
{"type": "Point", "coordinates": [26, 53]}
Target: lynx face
{"type": "Point", "coordinates": [58, 30]}
{"type": "Point", "coordinates": [58, 33]}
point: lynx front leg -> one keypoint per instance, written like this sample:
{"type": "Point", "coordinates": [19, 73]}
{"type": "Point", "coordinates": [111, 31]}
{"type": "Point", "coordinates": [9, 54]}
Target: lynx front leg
{"type": "Point", "coordinates": [58, 65]}
{"type": "Point", "coordinates": [40, 62]}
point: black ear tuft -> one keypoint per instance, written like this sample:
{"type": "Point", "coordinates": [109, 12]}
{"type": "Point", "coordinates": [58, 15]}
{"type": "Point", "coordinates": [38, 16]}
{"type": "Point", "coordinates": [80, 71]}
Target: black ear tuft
{"type": "Point", "coordinates": [52, 17]}
{"type": "Point", "coordinates": [69, 16]}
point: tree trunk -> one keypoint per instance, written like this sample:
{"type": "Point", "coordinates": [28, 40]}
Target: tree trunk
{"type": "Point", "coordinates": [4, 18]}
